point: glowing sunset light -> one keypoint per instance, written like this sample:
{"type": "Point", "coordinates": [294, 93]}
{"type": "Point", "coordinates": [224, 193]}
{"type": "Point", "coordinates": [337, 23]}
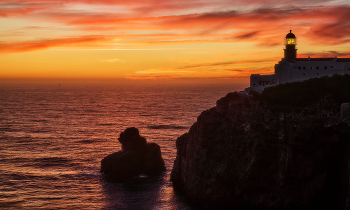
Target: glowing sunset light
{"type": "Point", "coordinates": [164, 39]}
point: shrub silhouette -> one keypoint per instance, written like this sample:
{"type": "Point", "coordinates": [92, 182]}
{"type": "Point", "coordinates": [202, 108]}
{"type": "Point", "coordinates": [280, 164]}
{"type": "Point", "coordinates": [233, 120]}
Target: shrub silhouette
{"type": "Point", "coordinates": [309, 92]}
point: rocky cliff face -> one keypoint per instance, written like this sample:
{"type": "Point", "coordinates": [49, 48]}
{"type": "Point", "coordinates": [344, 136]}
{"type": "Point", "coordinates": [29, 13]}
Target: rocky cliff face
{"type": "Point", "coordinates": [264, 152]}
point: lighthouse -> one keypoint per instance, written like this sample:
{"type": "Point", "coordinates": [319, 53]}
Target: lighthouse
{"type": "Point", "coordinates": [290, 53]}
{"type": "Point", "coordinates": [293, 69]}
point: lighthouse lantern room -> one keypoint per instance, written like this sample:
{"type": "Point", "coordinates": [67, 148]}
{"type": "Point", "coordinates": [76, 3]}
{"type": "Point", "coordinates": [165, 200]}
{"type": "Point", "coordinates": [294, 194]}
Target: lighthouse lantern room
{"type": "Point", "coordinates": [290, 53]}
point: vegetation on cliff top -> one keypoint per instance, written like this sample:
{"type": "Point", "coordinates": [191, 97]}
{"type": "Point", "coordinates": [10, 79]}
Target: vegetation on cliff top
{"type": "Point", "coordinates": [309, 92]}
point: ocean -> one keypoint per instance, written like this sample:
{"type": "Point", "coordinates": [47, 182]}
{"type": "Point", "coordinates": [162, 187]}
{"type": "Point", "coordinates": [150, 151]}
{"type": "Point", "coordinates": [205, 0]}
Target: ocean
{"type": "Point", "coordinates": [53, 137]}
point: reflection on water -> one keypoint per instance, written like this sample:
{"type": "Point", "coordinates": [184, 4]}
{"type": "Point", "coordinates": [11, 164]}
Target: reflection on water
{"type": "Point", "coordinates": [142, 193]}
{"type": "Point", "coordinates": [54, 137]}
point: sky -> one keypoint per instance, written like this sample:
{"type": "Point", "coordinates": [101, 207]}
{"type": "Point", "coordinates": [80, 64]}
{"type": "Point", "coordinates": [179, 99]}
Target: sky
{"type": "Point", "coordinates": [164, 39]}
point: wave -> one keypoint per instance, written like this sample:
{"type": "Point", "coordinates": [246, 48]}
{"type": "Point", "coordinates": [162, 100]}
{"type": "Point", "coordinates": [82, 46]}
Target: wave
{"type": "Point", "coordinates": [167, 127]}
{"type": "Point", "coordinates": [90, 141]}
{"type": "Point", "coordinates": [106, 124]}
{"type": "Point", "coordinates": [39, 120]}
{"type": "Point", "coordinates": [9, 160]}
{"type": "Point", "coordinates": [53, 161]}
{"type": "Point", "coordinates": [12, 204]}
{"type": "Point", "coordinates": [40, 130]}
{"type": "Point", "coordinates": [9, 128]}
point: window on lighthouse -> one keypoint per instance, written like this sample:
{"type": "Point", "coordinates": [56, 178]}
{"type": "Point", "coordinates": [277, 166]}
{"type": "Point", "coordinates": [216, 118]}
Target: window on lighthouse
{"type": "Point", "coordinates": [290, 41]}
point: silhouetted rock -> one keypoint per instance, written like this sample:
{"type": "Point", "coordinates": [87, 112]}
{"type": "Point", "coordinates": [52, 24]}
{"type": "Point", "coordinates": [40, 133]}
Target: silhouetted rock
{"type": "Point", "coordinates": [137, 157]}
{"type": "Point", "coordinates": [153, 162]}
{"type": "Point", "coordinates": [131, 139]}
{"type": "Point", "coordinates": [262, 152]}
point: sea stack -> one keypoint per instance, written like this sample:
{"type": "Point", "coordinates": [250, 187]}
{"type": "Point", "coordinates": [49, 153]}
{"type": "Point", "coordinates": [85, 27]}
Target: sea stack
{"type": "Point", "coordinates": [286, 148]}
{"type": "Point", "coordinates": [136, 157]}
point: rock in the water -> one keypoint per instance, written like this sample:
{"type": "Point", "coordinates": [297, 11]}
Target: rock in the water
{"type": "Point", "coordinates": [153, 162]}
{"type": "Point", "coordinates": [276, 150]}
{"type": "Point", "coordinates": [123, 164]}
{"type": "Point", "coordinates": [137, 157]}
{"type": "Point", "coordinates": [131, 139]}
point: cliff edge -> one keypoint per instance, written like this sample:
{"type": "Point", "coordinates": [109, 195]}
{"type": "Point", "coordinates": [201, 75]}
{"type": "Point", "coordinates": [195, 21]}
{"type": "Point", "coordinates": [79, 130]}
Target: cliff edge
{"type": "Point", "coordinates": [286, 148]}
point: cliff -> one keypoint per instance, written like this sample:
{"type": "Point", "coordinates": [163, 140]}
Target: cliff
{"type": "Point", "coordinates": [286, 148]}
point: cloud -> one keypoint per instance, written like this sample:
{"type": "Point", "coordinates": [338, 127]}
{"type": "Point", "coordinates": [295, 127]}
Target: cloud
{"type": "Point", "coordinates": [225, 63]}
{"type": "Point", "coordinates": [49, 43]}
{"type": "Point", "coordinates": [247, 35]}
{"type": "Point", "coordinates": [331, 24]}
{"type": "Point", "coordinates": [231, 73]}
{"type": "Point", "coordinates": [332, 33]}
{"type": "Point", "coordinates": [326, 54]}
{"type": "Point", "coordinates": [109, 60]}
{"type": "Point", "coordinates": [267, 45]}
{"type": "Point", "coordinates": [144, 7]}
{"type": "Point", "coordinates": [261, 25]}
{"type": "Point", "coordinates": [221, 70]}
{"type": "Point", "coordinates": [24, 8]}
{"type": "Point", "coordinates": [160, 71]}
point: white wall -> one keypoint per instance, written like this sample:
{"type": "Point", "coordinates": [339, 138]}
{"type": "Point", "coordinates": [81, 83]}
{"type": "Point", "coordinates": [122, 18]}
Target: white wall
{"type": "Point", "coordinates": [303, 70]}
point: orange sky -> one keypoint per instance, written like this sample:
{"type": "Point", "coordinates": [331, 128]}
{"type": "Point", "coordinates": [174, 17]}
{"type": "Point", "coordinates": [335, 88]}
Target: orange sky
{"type": "Point", "coordinates": [162, 39]}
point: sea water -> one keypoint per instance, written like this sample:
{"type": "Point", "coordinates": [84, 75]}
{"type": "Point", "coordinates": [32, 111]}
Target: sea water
{"type": "Point", "coordinates": [53, 137]}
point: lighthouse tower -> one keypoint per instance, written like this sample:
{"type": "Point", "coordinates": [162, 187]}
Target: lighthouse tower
{"type": "Point", "coordinates": [290, 53]}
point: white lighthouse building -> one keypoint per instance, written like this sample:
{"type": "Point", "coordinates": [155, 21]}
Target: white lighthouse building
{"type": "Point", "coordinates": [293, 69]}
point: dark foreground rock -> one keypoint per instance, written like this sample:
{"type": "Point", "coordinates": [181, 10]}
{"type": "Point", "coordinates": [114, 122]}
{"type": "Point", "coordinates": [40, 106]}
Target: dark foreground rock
{"type": "Point", "coordinates": [287, 148]}
{"type": "Point", "coordinates": [136, 157]}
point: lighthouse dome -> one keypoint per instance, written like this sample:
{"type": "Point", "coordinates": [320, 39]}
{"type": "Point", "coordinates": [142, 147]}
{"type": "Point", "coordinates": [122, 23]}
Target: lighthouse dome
{"type": "Point", "coordinates": [290, 35]}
